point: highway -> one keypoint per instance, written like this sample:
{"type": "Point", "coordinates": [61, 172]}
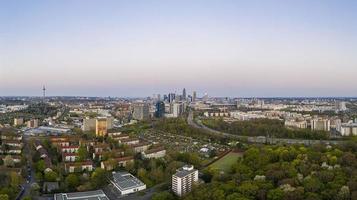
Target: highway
{"type": "Point", "coordinates": [258, 139]}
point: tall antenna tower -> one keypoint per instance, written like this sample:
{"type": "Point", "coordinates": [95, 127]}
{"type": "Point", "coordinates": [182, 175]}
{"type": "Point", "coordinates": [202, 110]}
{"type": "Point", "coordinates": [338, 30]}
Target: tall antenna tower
{"type": "Point", "coordinates": [44, 93]}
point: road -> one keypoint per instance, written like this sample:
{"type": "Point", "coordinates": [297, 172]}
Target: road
{"type": "Point", "coordinates": [258, 139]}
{"type": "Point", "coordinates": [31, 180]}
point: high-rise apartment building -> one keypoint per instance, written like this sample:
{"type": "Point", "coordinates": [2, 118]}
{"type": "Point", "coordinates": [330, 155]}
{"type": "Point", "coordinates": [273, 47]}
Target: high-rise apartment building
{"type": "Point", "coordinates": [184, 179]}
{"type": "Point", "coordinates": [89, 124]}
{"type": "Point", "coordinates": [33, 123]}
{"type": "Point", "coordinates": [18, 121]}
{"type": "Point", "coordinates": [141, 111]}
{"type": "Point", "coordinates": [319, 124]}
{"type": "Point", "coordinates": [101, 127]}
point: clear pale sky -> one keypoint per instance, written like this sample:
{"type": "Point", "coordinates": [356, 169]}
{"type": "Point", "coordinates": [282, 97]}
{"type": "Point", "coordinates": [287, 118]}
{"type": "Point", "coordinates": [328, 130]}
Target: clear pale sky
{"type": "Point", "coordinates": [137, 48]}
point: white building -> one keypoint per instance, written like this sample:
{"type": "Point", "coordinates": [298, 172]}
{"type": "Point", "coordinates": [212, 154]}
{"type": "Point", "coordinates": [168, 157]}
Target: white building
{"type": "Point", "coordinates": [177, 109]}
{"type": "Point", "coordinates": [349, 129]}
{"type": "Point", "coordinates": [127, 183]}
{"type": "Point", "coordinates": [159, 152]}
{"type": "Point", "coordinates": [340, 106]}
{"type": "Point", "coordinates": [320, 124]}
{"type": "Point", "coordinates": [97, 194]}
{"type": "Point", "coordinates": [184, 179]}
{"type": "Point", "coordinates": [296, 124]}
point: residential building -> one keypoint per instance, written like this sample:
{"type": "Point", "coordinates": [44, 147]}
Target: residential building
{"type": "Point", "coordinates": [140, 147]}
{"type": "Point", "coordinates": [113, 163]}
{"type": "Point", "coordinates": [320, 124]}
{"type": "Point", "coordinates": [101, 127]}
{"type": "Point", "coordinates": [18, 121]}
{"type": "Point", "coordinates": [158, 152]}
{"type": "Point", "coordinates": [69, 149]}
{"type": "Point", "coordinates": [89, 124]}
{"type": "Point", "coordinates": [141, 111]}
{"type": "Point", "coordinates": [78, 166]}
{"type": "Point", "coordinates": [33, 123]}
{"type": "Point", "coordinates": [296, 124]}
{"type": "Point", "coordinates": [69, 157]}
{"type": "Point", "coordinates": [349, 129]}
{"type": "Point", "coordinates": [184, 179]}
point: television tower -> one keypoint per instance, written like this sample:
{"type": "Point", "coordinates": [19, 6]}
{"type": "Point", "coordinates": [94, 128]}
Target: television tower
{"type": "Point", "coordinates": [44, 93]}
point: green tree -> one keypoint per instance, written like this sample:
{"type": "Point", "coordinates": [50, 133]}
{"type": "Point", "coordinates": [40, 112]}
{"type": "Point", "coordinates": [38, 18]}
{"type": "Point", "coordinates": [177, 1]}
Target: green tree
{"type": "Point", "coordinates": [236, 196]}
{"type": "Point", "coordinates": [275, 194]}
{"type": "Point", "coordinates": [51, 176]}
{"type": "Point", "coordinates": [82, 153]}
{"type": "Point", "coordinates": [72, 181]}
{"type": "Point", "coordinates": [9, 161]}
{"type": "Point", "coordinates": [15, 179]}
{"type": "Point", "coordinates": [98, 178]}
{"type": "Point", "coordinates": [163, 196]}
{"type": "Point", "coordinates": [40, 166]}
{"type": "Point", "coordinates": [248, 189]}
{"type": "Point", "coordinates": [4, 197]}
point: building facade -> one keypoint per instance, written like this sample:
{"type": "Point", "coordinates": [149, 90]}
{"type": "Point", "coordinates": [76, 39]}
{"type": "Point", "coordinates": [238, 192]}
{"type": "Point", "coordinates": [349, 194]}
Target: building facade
{"type": "Point", "coordinates": [184, 179]}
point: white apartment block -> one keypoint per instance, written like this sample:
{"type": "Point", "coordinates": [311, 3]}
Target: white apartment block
{"type": "Point", "coordinates": [320, 124]}
{"type": "Point", "coordinates": [184, 179]}
{"type": "Point", "coordinates": [296, 124]}
{"type": "Point", "coordinates": [349, 129]}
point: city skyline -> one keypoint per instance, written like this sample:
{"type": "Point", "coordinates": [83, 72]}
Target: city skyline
{"type": "Point", "coordinates": [226, 48]}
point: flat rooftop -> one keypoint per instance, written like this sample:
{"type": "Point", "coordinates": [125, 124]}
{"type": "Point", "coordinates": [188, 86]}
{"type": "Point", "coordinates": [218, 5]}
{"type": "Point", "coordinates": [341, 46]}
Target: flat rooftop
{"type": "Point", "coordinates": [126, 181]}
{"type": "Point", "coordinates": [89, 195]}
{"type": "Point", "coordinates": [184, 171]}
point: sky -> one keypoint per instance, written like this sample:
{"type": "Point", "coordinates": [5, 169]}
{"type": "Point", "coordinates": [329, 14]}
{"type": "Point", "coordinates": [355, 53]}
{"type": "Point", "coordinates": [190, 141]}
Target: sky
{"type": "Point", "coordinates": [266, 48]}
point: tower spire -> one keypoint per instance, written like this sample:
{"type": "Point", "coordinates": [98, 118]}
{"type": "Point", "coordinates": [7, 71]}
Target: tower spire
{"type": "Point", "coordinates": [44, 92]}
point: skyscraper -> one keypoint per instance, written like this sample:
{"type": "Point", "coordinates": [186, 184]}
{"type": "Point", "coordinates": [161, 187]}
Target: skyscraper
{"type": "Point", "coordinates": [194, 96]}
{"type": "Point", "coordinates": [184, 94]}
{"type": "Point", "coordinates": [160, 109]}
{"type": "Point", "coordinates": [172, 97]}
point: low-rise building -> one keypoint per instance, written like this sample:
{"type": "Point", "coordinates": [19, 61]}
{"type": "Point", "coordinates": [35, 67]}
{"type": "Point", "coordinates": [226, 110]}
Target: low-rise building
{"type": "Point", "coordinates": [69, 149]}
{"type": "Point", "coordinates": [296, 124]}
{"type": "Point", "coordinates": [129, 141]}
{"type": "Point", "coordinates": [12, 143]}
{"type": "Point", "coordinates": [126, 183]}
{"type": "Point", "coordinates": [114, 162]}
{"type": "Point", "coordinates": [79, 166]}
{"type": "Point", "coordinates": [140, 147]}
{"type": "Point", "coordinates": [88, 195]}
{"type": "Point", "coordinates": [158, 152]}
{"type": "Point", "coordinates": [69, 157]}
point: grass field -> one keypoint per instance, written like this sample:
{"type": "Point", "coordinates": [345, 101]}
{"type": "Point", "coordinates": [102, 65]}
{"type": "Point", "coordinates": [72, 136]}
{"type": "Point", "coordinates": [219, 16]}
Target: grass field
{"type": "Point", "coordinates": [225, 163]}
